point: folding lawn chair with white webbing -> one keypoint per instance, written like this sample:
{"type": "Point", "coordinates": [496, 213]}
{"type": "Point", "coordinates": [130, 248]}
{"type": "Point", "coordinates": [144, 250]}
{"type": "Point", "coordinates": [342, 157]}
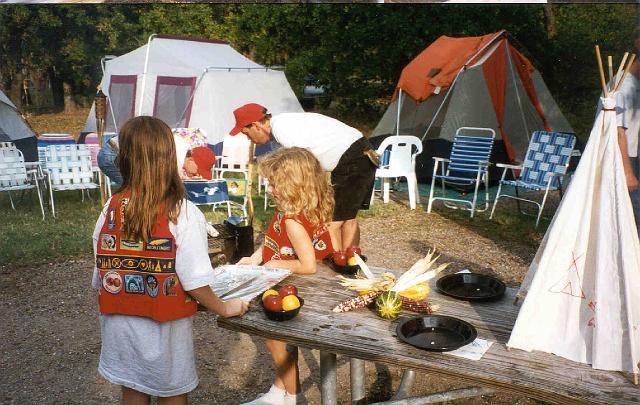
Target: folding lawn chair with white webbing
{"type": "Point", "coordinates": [14, 175]}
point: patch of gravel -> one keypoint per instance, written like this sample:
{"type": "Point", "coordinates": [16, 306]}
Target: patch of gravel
{"type": "Point", "coordinates": [50, 338]}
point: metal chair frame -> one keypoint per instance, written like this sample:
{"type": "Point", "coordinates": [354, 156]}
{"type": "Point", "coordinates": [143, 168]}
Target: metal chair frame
{"type": "Point", "coordinates": [540, 155]}
{"type": "Point", "coordinates": [13, 173]}
{"type": "Point", "coordinates": [469, 155]}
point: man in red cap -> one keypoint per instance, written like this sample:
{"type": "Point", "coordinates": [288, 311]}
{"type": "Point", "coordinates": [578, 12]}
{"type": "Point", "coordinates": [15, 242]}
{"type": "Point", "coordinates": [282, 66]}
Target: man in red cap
{"type": "Point", "coordinates": [341, 150]}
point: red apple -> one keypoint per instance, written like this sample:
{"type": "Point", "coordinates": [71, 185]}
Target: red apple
{"type": "Point", "coordinates": [340, 258]}
{"type": "Point", "coordinates": [352, 250]}
{"type": "Point", "coordinates": [287, 290]}
{"type": "Point", "coordinates": [273, 303]}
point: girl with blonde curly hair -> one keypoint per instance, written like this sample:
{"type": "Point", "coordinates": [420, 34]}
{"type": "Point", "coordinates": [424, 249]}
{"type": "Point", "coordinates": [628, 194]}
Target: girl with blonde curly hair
{"type": "Point", "coordinates": [296, 238]}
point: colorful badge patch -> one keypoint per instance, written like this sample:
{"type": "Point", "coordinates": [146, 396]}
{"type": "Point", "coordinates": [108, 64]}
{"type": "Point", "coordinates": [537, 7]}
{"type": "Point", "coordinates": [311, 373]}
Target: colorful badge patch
{"type": "Point", "coordinates": [133, 284]}
{"type": "Point", "coordinates": [276, 223]}
{"type": "Point", "coordinates": [131, 245]}
{"type": "Point", "coordinates": [170, 287]}
{"type": "Point", "coordinates": [111, 219]}
{"type": "Point", "coordinates": [112, 282]}
{"type": "Point", "coordinates": [108, 242]}
{"type": "Point", "coordinates": [152, 286]}
{"type": "Point", "coordinates": [319, 244]}
{"type": "Point", "coordinates": [108, 262]}
{"type": "Point", "coordinates": [271, 244]}
{"type": "Point", "coordinates": [159, 245]}
{"type": "Point", "coordinates": [287, 251]}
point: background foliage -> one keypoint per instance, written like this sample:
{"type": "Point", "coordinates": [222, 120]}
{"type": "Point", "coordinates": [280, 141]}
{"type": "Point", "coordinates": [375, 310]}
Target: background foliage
{"type": "Point", "coordinates": [356, 50]}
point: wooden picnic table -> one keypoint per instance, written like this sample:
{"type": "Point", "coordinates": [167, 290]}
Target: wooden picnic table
{"type": "Point", "coordinates": [361, 334]}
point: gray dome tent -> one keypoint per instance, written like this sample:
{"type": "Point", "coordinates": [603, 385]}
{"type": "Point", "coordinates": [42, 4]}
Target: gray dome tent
{"type": "Point", "coordinates": [13, 128]}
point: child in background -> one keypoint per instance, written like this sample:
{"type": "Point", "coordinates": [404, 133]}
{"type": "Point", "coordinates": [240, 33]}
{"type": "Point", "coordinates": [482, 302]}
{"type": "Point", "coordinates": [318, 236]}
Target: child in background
{"type": "Point", "coordinates": [297, 237]}
{"type": "Point", "coordinates": [199, 163]}
{"type": "Point", "coordinates": [152, 265]}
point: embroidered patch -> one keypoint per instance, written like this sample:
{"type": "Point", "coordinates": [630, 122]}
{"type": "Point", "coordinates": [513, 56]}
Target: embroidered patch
{"type": "Point", "coordinates": [271, 244]}
{"type": "Point", "coordinates": [276, 223]}
{"type": "Point", "coordinates": [170, 286]}
{"type": "Point", "coordinates": [287, 251]}
{"type": "Point", "coordinates": [123, 207]}
{"type": "Point", "coordinates": [159, 245]}
{"type": "Point", "coordinates": [111, 219]}
{"type": "Point", "coordinates": [318, 244]}
{"type": "Point", "coordinates": [112, 282]}
{"type": "Point", "coordinates": [131, 245]}
{"type": "Point", "coordinates": [133, 284]}
{"type": "Point", "coordinates": [152, 286]}
{"type": "Point", "coordinates": [108, 242]}
{"type": "Point", "coordinates": [107, 262]}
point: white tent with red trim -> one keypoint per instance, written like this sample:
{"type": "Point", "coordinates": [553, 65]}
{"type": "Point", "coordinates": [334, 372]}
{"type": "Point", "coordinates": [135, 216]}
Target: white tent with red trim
{"type": "Point", "coordinates": [479, 81]}
{"type": "Point", "coordinates": [582, 290]}
{"type": "Point", "coordinates": [189, 83]}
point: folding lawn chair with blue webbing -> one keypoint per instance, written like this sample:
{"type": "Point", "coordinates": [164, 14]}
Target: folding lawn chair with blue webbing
{"type": "Point", "coordinates": [545, 165]}
{"type": "Point", "coordinates": [467, 166]}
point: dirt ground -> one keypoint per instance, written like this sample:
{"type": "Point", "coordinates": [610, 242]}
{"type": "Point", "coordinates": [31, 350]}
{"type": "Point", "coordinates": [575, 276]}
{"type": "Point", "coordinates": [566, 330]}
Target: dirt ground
{"type": "Point", "coordinates": [50, 340]}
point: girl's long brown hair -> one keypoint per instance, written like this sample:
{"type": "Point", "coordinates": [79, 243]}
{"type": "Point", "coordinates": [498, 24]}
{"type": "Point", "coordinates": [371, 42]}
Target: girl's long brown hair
{"type": "Point", "coordinates": [301, 184]}
{"type": "Point", "coordinates": [148, 164]}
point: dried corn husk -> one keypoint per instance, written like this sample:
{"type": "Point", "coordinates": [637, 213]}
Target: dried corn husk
{"type": "Point", "coordinates": [417, 292]}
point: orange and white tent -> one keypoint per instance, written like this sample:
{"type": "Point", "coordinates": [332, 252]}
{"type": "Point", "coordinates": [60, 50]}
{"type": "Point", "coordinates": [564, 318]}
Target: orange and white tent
{"type": "Point", "coordinates": [471, 81]}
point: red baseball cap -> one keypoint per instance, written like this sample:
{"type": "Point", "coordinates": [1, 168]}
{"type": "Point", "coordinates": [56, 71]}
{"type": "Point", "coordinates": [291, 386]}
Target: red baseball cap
{"type": "Point", "coordinates": [246, 115]}
{"type": "Point", "coordinates": [204, 158]}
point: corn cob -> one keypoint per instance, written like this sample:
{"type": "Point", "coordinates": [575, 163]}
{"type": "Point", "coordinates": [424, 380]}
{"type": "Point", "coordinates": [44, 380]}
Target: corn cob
{"type": "Point", "coordinates": [422, 307]}
{"type": "Point", "coordinates": [360, 301]}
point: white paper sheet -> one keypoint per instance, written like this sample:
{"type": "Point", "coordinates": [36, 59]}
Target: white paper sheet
{"type": "Point", "coordinates": [473, 351]}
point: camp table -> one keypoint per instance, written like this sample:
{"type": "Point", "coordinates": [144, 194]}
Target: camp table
{"type": "Point", "coordinates": [362, 335]}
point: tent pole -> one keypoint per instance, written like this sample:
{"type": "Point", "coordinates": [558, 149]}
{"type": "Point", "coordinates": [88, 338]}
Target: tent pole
{"type": "Point", "coordinates": [398, 113]}
{"type": "Point", "coordinates": [464, 67]}
{"type": "Point", "coordinates": [144, 73]}
{"type": "Point", "coordinates": [515, 86]}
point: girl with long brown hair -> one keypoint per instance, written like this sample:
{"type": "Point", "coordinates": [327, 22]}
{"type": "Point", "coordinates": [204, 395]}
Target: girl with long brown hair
{"type": "Point", "coordinates": [151, 268]}
{"type": "Point", "coordinates": [296, 238]}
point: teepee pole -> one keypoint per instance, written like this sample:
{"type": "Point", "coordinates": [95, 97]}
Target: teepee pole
{"type": "Point", "coordinates": [624, 59]}
{"type": "Point", "coordinates": [600, 68]}
{"type": "Point", "coordinates": [610, 63]}
{"type": "Point", "coordinates": [633, 57]}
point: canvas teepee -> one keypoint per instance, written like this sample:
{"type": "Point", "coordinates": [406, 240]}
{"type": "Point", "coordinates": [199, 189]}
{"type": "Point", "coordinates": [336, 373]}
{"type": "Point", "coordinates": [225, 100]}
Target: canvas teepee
{"type": "Point", "coordinates": [583, 287]}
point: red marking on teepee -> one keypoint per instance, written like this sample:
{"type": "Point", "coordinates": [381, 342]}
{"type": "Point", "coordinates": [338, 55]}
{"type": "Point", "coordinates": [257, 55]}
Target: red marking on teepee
{"type": "Point", "coordinates": [572, 278]}
{"type": "Point", "coordinates": [592, 322]}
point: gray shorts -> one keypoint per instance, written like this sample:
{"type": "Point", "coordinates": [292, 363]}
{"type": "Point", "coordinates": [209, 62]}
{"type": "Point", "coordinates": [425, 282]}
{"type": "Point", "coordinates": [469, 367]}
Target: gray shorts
{"type": "Point", "coordinates": [635, 195]}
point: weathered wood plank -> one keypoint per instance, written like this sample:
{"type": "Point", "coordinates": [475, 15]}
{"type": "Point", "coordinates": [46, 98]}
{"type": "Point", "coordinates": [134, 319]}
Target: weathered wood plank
{"type": "Point", "coordinates": [361, 334]}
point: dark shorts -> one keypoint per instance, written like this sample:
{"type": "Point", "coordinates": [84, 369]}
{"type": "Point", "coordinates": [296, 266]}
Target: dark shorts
{"type": "Point", "coordinates": [352, 181]}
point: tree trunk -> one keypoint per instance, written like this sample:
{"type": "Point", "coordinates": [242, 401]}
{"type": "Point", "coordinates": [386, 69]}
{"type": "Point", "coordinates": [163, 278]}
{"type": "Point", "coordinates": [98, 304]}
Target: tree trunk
{"type": "Point", "coordinates": [15, 90]}
{"type": "Point", "coordinates": [57, 89]}
{"type": "Point", "coordinates": [70, 105]}
{"type": "Point", "coordinates": [550, 21]}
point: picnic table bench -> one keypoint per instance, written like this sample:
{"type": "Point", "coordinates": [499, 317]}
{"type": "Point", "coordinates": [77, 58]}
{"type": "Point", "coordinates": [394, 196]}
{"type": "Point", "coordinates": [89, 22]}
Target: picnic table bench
{"type": "Point", "coordinates": [361, 334]}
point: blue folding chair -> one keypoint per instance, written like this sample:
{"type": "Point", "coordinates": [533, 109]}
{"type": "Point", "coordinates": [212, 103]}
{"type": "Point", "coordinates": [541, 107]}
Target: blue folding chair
{"type": "Point", "coordinates": [467, 166]}
{"type": "Point", "coordinates": [545, 165]}
{"type": "Point", "coordinates": [217, 193]}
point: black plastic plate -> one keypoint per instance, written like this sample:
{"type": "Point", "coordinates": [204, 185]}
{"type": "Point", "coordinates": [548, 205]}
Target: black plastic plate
{"type": "Point", "coordinates": [471, 286]}
{"type": "Point", "coordinates": [282, 315]}
{"type": "Point", "coordinates": [436, 333]}
{"type": "Point", "coordinates": [348, 270]}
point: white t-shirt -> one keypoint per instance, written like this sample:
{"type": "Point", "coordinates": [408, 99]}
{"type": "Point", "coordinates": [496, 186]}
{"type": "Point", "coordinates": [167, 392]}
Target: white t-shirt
{"type": "Point", "coordinates": [628, 111]}
{"type": "Point", "coordinates": [326, 137]}
{"type": "Point", "coordinates": [157, 358]}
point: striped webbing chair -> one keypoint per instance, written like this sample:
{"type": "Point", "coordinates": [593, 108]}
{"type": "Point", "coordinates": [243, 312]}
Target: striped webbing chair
{"type": "Point", "coordinates": [68, 168]}
{"type": "Point", "coordinates": [545, 165]}
{"type": "Point", "coordinates": [13, 174]}
{"type": "Point", "coordinates": [467, 166]}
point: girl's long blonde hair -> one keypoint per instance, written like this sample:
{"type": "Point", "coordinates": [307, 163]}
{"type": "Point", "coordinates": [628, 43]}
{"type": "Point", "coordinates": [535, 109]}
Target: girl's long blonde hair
{"type": "Point", "coordinates": [300, 183]}
{"type": "Point", "coordinates": [148, 164]}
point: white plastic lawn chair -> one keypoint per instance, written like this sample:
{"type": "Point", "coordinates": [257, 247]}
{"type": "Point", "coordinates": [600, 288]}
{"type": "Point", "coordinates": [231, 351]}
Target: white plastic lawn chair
{"type": "Point", "coordinates": [467, 165]}
{"type": "Point", "coordinates": [545, 165]}
{"type": "Point", "coordinates": [398, 155]}
{"type": "Point", "coordinates": [13, 174]}
{"type": "Point", "coordinates": [68, 168]}
{"type": "Point", "coordinates": [235, 156]}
